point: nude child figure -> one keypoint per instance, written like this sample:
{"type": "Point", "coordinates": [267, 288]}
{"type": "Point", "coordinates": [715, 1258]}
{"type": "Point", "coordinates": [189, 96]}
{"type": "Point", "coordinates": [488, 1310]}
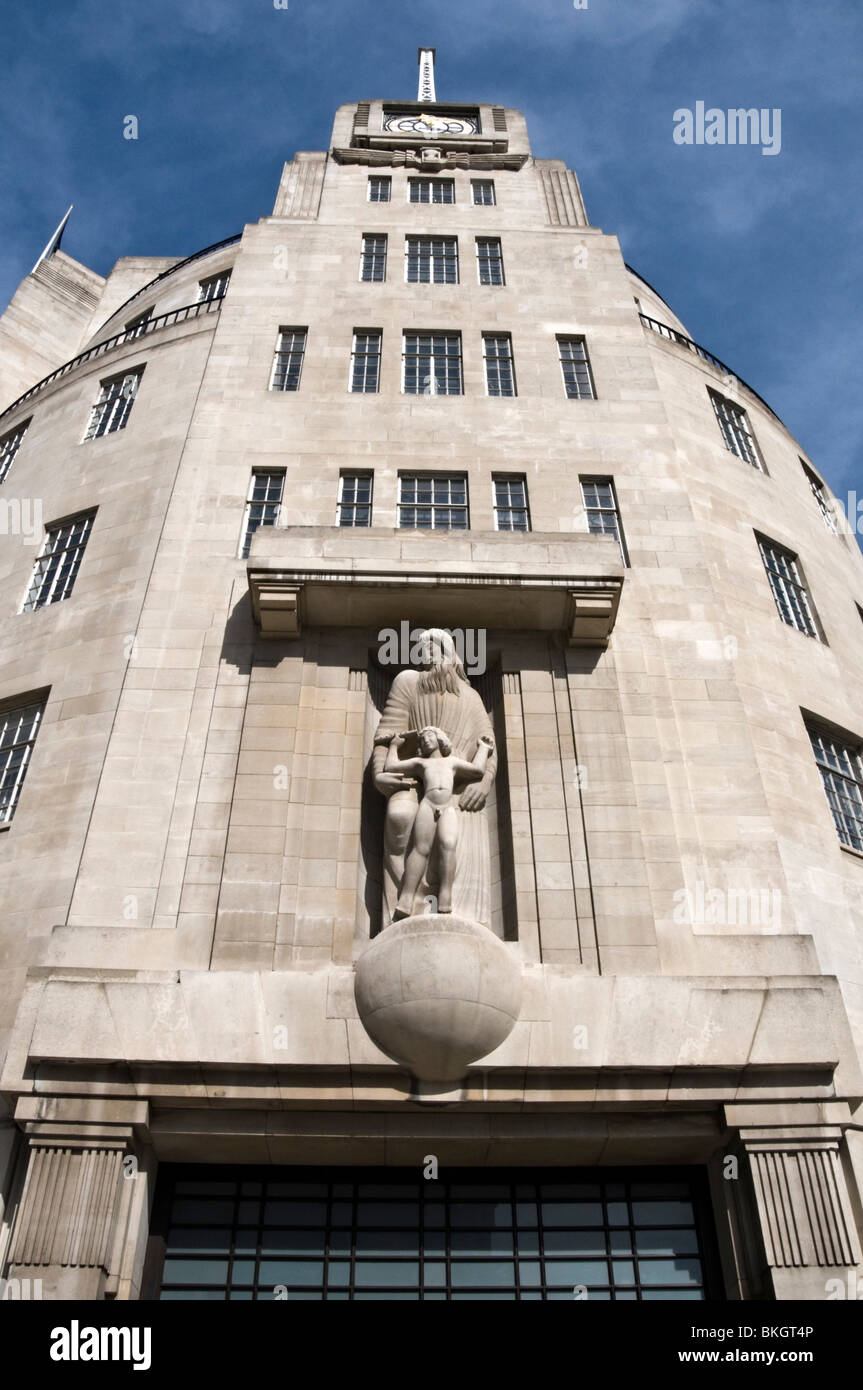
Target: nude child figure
{"type": "Point", "coordinates": [437, 816]}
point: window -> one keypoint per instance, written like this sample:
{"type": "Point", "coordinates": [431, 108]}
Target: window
{"type": "Point", "coordinates": [734, 424]}
{"type": "Point", "coordinates": [431, 260]}
{"type": "Point", "coordinates": [366, 360]}
{"type": "Point", "coordinates": [482, 193]}
{"type": "Point", "coordinates": [263, 503]}
{"type": "Point", "coordinates": [112, 409]}
{"type": "Point", "coordinates": [380, 188]}
{"type": "Point", "coordinates": [373, 258]}
{"type": "Point", "coordinates": [433, 502]}
{"type": "Point", "coordinates": [431, 190]}
{"type": "Point", "coordinates": [138, 325]}
{"type": "Point", "coordinates": [18, 730]}
{"type": "Point", "coordinates": [58, 562]}
{"type": "Point", "coordinates": [432, 364]}
{"type": "Point", "coordinates": [510, 503]}
{"type": "Point", "coordinates": [489, 260]}
{"type": "Point", "coordinates": [577, 378]}
{"type": "Point", "coordinates": [841, 768]}
{"type": "Point", "coordinates": [603, 516]}
{"type": "Point", "coordinates": [9, 445]}
{"type": "Point", "coordinates": [825, 504]}
{"type": "Point", "coordinates": [355, 500]}
{"type": "Point", "coordinates": [288, 363]}
{"type": "Point", "coordinates": [789, 587]}
{"type": "Point", "coordinates": [499, 368]}
{"type": "Point", "coordinates": [215, 287]}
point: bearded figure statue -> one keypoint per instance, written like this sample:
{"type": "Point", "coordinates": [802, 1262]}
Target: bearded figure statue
{"type": "Point", "coordinates": [437, 696]}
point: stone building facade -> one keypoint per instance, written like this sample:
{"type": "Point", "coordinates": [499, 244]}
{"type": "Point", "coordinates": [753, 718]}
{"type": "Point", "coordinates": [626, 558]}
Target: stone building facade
{"type": "Point", "coordinates": [425, 392]}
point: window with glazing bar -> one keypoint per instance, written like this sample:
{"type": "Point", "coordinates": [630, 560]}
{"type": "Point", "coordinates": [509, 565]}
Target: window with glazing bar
{"type": "Point", "coordinates": [825, 503]}
{"type": "Point", "coordinates": [431, 260]}
{"type": "Point", "coordinates": [9, 445]}
{"type": "Point", "coordinates": [214, 287]}
{"type": "Point", "coordinates": [58, 562]}
{"type": "Point", "coordinates": [373, 257]}
{"type": "Point", "coordinates": [355, 500]}
{"type": "Point", "coordinates": [433, 502]}
{"type": "Point", "coordinates": [734, 425]}
{"type": "Point", "coordinates": [263, 504]}
{"type": "Point", "coordinates": [432, 364]}
{"type": "Point", "coordinates": [288, 361]}
{"type": "Point", "coordinates": [482, 192]}
{"type": "Point", "coordinates": [841, 766]}
{"type": "Point", "coordinates": [510, 503]}
{"type": "Point", "coordinates": [431, 190]}
{"type": "Point", "coordinates": [366, 361]}
{"type": "Point", "coordinates": [499, 366]}
{"type": "Point", "coordinates": [603, 514]}
{"type": "Point", "coordinates": [489, 259]}
{"type": "Point", "coordinates": [789, 587]}
{"type": "Point", "coordinates": [138, 325]}
{"type": "Point", "coordinates": [575, 365]}
{"type": "Point", "coordinates": [18, 729]}
{"type": "Point", "coordinates": [379, 188]}
{"type": "Point", "coordinates": [114, 405]}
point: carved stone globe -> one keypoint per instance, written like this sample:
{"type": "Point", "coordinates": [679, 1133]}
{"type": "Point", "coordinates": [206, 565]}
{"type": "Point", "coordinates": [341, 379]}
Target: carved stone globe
{"type": "Point", "coordinates": [437, 993]}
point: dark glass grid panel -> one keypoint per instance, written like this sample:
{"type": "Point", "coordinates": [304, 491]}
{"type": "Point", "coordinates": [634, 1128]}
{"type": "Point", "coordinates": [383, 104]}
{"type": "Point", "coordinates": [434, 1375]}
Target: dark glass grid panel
{"type": "Point", "coordinates": [380, 186]}
{"type": "Point", "coordinates": [576, 368]}
{"type": "Point", "coordinates": [112, 409]}
{"type": "Point", "coordinates": [9, 446]}
{"type": "Point", "coordinates": [435, 503]}
{"type": "Point", "coordinates": [339, 1234]}
{"type": "Point", "coordinates": [355, 499]}
{"type": "Point", "coordinates": [841, 768]}
{"type": "Point", "coordinates": [489, 260]}
{"type": "Point", "coordinates": [432, 364]}
{"type": "Point", "coordinates": [483, 192]}
{"type": "Point", "coordinates": [735, 429]}
{"type": "Point", "coordinates": [216, 287]}
{"type": "Point", "coordinates": [825, 507]}
{"type": "Point", "coordinates": [789, 591]}
{"type": "Point", "coordinates": [18, 729]}
{"type": "Point", "coordinates": [510, 504]}
{"type": "Point", "coordinates": [288, 364]}
{"type": "Point", "coordinates": [262, 507]}
{"type": "Point", "coordinates": [432, 260]}
{"type": "Point", "coordinates": [373, 262]}
{"type": "Point", "coordinates": [57, 567]}
{"type": "Point", "coordinates": [431, 190]}
{"type": "Point", "coordinates": [366, 362]}
{"type": "Point", "coordinates": [499, 367]}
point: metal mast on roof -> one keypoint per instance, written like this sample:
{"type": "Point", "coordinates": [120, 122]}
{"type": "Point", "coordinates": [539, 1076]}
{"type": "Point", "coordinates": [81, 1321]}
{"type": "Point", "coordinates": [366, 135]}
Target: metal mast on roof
{"type": "Point", "coordinates": [55, 240]}
{"type": "Point", "coordinates": [425, 57]}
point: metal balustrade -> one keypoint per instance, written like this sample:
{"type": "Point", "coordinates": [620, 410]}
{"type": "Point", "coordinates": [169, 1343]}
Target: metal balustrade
{"type": "Point", "coordinates": [666, 331]}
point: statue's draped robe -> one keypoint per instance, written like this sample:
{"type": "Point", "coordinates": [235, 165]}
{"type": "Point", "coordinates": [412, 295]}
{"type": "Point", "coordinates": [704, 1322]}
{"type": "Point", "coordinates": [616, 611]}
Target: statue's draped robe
{"type": "Point", "coordinates": [463, 716]}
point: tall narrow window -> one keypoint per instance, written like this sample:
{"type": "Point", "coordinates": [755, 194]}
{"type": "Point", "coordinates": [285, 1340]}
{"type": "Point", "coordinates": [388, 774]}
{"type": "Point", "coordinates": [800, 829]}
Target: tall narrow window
{"type": "Point", "coordinates": [18, 729]}
{"type": "Point", "coordinates": [603, 514]}
{"type": "Point", "coordinates": [355, 500]}
{"type": "Point", "coordinates": [734, 424]}
{"type": "Point", "coordinates": [841, 768]}
{"type": "Point", "coordinates": [499, 367]}
{"type": "Point", "coordinates": [433, 502]}
{"type": "Point", "coordinates": [432, 364]}
{"type": "Point", "coordinates": [379, 188]}
{"type": "Point", "coordinates": [373, 258]}
{"type": "Point", "coordinates": [575, 365]}
{"type": "Point", "coordinates": [288, 362]}
{"type": "Point", "coordinates": [58, 562]}
{"type": "Point", "coordinates": [825, 504]}
{"type": "Point", "coordinates": [263, 504]}
{"type": "Point", "coordinates": [789, 587]}
{"type": "Point", "coordinates": [431, 190]}
{"type": "Point", "coordinates": [510, 503]}
{"type": "Point", "coordinates": [138, 325]}
{"type": "Point", "coordinates": [431, 260]}
{"type": "Point", "coordinates": [215, 287]}
{"type": "Point", "coordinates": [489, 260]}
{"type": "Point", "coordinates": [366, 360]}
{"type": "Point", "coordinates": [482, 192]}
{"type": "Point", "coordinates": [9, 445]}
{"type": "Point", "coordinates": [114, 405]}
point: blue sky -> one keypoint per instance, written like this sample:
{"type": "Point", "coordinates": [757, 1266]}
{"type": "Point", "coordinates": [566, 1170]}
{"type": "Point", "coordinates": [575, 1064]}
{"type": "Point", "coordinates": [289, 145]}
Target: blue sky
{"type": "Point", "coordinates": [759, 255]}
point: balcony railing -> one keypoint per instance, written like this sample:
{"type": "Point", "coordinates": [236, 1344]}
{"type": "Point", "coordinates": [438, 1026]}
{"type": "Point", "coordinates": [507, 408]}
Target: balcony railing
{"type": "Point", "coordinates": [129, 335]}
{"type": "Point", "coordinates": [666, 331]}
{"type": "Point", "coordinates": [172, 269]}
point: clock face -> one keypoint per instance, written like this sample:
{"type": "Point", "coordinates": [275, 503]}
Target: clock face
{"type": "Point", "coordinates": [428, 125]}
